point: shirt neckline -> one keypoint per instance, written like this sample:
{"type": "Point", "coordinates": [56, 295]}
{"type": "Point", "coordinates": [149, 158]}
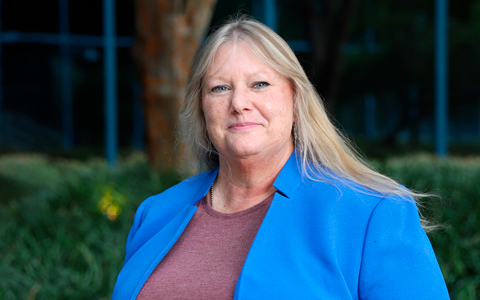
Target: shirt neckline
{"type": "Point", "coordinates": [220, 215]}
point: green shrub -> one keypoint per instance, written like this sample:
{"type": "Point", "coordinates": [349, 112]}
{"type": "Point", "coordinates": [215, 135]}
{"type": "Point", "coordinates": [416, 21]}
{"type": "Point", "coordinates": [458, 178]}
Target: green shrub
{"type": "Point", "coordinates": [457, 183]}
{"type": "Point", "coordinates": [63, 223]}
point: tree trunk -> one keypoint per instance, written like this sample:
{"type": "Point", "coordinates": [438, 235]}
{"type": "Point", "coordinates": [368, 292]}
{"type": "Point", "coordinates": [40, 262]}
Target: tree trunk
{"type": "Point", "coordinates": [168, 34]}
{"type": "Point", "coordinates": [327, 29]}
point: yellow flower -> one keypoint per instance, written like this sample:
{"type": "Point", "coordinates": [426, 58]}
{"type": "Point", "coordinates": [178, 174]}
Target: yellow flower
{"type": "Point", "coordinates": [111, 202]}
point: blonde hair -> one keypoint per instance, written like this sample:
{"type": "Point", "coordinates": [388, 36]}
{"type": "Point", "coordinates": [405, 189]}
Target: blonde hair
{"type": "Point", "coordinates": [324, 152]}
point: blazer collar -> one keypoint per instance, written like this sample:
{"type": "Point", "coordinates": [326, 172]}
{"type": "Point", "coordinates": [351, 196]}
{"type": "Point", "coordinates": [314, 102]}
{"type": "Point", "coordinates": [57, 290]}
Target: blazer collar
{"type": "Point", "coordinates": [286, 183]}
{"type": "Point", "coordinates": [289, 177]}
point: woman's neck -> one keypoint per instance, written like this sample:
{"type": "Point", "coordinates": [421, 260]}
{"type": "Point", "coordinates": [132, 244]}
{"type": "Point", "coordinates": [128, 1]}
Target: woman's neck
{"type": "Point", "coordinates": [243, 183]}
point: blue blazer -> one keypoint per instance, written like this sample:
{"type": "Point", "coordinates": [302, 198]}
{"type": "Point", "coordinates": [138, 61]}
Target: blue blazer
{"type": "Point", "coordinates": [317, 241]}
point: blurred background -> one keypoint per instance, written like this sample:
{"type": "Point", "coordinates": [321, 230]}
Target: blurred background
{"type": "Point", "coordinates": [89, 92]}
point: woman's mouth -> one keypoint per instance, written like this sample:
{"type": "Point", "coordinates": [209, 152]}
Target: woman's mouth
{"type": "Point", "coordinates": [242, 126]}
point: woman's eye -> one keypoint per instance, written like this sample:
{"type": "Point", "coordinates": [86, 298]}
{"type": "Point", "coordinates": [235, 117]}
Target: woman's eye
{"type": "Point", "coordinates": [219, 88]}
{"type": "Point", "coordinates": [261, 84]}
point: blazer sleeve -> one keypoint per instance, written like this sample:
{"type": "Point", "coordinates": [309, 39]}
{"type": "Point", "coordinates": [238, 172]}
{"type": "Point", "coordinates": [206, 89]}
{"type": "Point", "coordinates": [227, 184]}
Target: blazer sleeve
{"type": "Point", "coordinates": [398, 261]}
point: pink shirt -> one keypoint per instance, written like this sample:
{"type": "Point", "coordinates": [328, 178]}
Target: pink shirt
{"type": "Point", "coordinates": [208, 257]}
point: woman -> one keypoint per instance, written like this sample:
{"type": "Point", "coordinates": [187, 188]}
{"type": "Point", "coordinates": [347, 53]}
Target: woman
{"type": "Point", "coordinates": [286, 210]}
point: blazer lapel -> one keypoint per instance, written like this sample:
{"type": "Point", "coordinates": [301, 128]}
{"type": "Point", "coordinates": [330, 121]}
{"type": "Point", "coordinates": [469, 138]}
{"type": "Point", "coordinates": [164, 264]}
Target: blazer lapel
{"type": "Point", "coordinates": [263, 247]}
{"type": "Point", "coordinates": [137, 270]}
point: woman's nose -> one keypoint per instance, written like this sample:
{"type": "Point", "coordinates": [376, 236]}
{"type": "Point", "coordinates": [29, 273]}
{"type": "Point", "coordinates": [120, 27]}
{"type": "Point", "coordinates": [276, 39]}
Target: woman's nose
{"type": "Point", "coordinates": [240, 100]}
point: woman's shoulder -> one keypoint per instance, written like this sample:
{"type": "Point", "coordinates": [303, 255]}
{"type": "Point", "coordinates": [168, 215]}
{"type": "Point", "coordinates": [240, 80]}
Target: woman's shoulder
{"type": "Point", "coordinates": [353, 198]}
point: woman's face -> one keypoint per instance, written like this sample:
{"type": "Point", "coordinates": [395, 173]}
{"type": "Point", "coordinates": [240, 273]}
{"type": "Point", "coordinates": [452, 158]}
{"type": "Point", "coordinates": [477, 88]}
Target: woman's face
{"type": "Point", "coordinates": [248, 106]}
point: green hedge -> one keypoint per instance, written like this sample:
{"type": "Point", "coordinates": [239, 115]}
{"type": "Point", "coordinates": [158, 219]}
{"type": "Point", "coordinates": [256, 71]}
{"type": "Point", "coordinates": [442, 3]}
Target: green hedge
{"type": "Point", "coordinates": [457, 183]}
{"type": "Point", "coordinates": [63, 223]}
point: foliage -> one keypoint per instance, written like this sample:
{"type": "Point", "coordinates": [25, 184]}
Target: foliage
{"type": "Point", "coordinates": [63, 223]}
{"type": "Point", "coordinates": [457, 245]}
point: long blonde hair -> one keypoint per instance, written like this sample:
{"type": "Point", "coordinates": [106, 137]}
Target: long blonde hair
{"type": "Point", "coordinates": [324, 152]}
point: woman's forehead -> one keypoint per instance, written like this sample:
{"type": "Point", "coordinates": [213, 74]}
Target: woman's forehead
{"type": "Point", "coordinates": [235, 51]}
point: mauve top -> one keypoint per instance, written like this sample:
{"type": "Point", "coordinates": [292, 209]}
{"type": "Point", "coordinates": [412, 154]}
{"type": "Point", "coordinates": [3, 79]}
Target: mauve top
{"type": "Point", "coordinates": [208, 257]}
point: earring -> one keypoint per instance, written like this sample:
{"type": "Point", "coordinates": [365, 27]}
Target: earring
{"type": "Point", "coordinates": [296, 141]}
{"type": "Point", "coordinates": [210, 147]}
{"type": "Point", "coordinates": [294, 133]}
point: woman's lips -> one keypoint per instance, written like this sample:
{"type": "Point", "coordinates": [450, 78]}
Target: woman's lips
{"type": "Point", "coordinates": [242, 126]}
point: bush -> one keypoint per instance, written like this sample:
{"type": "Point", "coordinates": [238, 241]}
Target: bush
{"type": "Point", "coordinates": [457, 245]}
{"type": "Point", "coordinates": [64, 223]}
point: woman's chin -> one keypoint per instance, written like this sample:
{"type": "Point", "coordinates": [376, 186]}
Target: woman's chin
{"type": "Point", "coordinates": [244, 152]}
{"type": "Point", "coordinates": [251, 151]}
